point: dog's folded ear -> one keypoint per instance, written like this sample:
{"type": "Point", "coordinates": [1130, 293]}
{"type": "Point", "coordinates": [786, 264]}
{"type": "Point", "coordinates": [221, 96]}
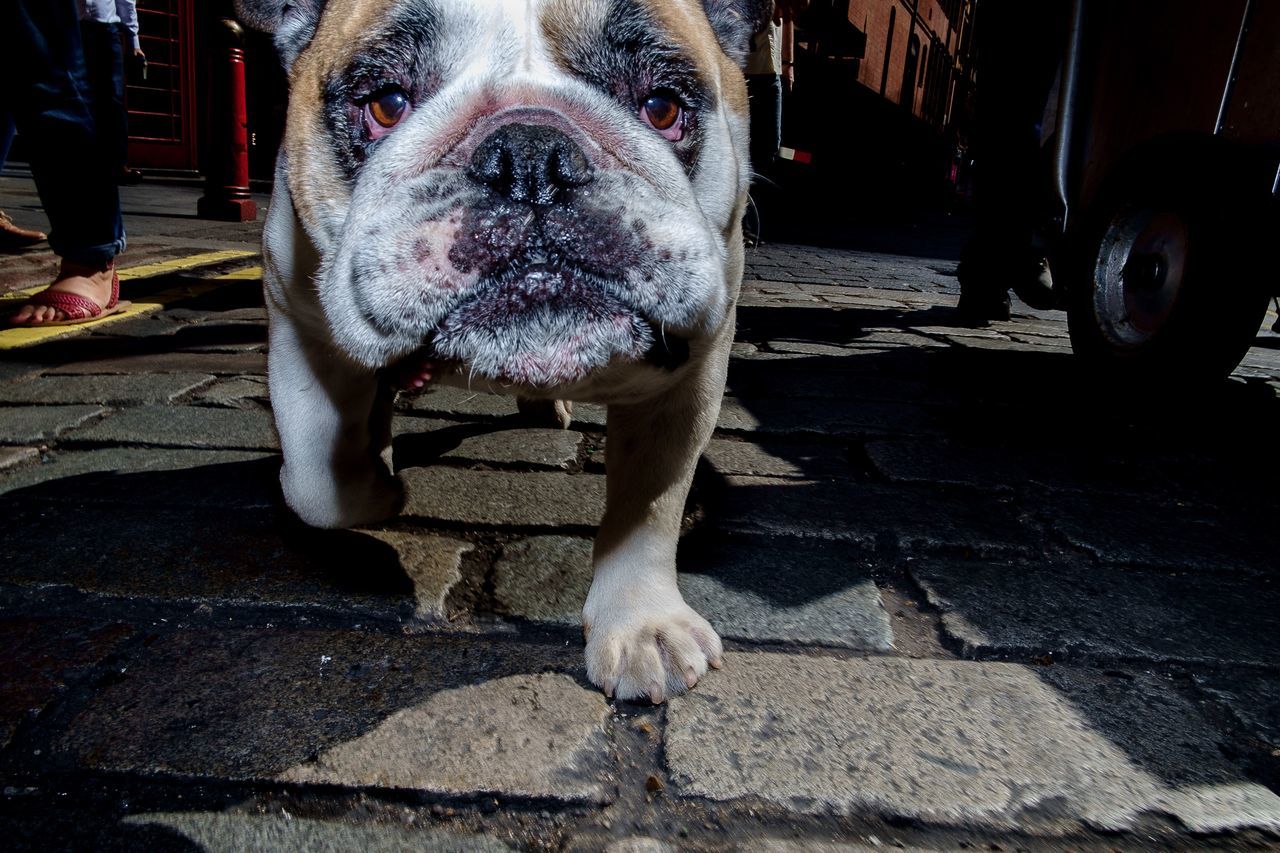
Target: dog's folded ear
{"type": "Point", "coordinates": [736, 21]}
{"type": "Point", "coordinates": [293, 22]}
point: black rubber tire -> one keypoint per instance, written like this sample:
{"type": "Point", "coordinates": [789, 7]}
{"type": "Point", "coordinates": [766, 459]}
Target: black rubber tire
{"type": "Point", "coordinates": [1197, 329]}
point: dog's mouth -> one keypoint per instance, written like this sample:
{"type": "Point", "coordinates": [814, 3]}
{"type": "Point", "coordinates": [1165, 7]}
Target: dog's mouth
{"type": "Point", "coordinates": [542, 323]}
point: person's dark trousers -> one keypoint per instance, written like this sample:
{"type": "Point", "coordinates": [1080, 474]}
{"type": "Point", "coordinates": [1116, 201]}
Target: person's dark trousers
{"type": "Point", "coordinates": [104, 68]}
{"type": "Point", "coordinates": [6, 136]}
{"type": "Point", "coordinates": [42, 66]}
{"type": "Point", "coordinates": [764, 93]}
{"type": "Point", "coordinates": [1020, 46]}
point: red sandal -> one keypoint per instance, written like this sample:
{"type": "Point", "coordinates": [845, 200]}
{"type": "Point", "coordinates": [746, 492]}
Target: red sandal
{"type": "Point", "coordinates": [79, 309]}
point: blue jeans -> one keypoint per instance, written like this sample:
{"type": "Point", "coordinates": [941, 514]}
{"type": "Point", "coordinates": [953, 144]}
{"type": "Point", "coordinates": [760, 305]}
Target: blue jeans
{"type": "Point", "coordinates": [104, 69]}
{"type": "Point", "coordinates": [45, 90]}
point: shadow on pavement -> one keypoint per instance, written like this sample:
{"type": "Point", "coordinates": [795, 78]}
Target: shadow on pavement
{"type": "Point", "coordinates": [1042, 517]}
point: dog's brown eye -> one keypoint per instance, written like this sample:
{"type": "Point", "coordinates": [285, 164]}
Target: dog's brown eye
{"type": "Point", "coordinates": [388, 108]}
{"type": "Point", "coordinates": [663, 113]}
{"type": "Point", "coordinates": [384, 111]}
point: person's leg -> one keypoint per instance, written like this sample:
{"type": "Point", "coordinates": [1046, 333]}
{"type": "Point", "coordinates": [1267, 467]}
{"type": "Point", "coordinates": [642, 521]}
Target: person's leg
{"type": "Point", "coordinates": [764, 91]}
{"type": "Point", "coordinates": [104, 70]}
{"type": "Point", "coordinates": [1020, 46]}
{"type": "Point", "coordinates": [12, 236]}
{"type": "Point", "coordinates": [42, 65]}
{"type": "Point", "coordinates": [103, 66]}
{"type": "Point", "coordinates": [6, 136]}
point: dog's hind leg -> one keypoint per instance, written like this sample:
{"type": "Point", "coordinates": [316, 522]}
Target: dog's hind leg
{"type": "Point", "coordinates": [546, 413]}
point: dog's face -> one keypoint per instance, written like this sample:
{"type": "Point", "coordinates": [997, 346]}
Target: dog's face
{"type": "Point", "coordinates": [544, 191]}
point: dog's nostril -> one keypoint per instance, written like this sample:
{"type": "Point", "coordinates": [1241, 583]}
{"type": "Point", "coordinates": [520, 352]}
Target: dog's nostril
{"type": "Point", "coordinates": [529, 163]}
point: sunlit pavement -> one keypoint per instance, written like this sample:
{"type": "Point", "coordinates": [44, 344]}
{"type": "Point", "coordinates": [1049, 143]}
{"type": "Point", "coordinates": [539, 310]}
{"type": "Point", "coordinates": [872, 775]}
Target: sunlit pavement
{"type": "Point", "coordinates": [972, 599]}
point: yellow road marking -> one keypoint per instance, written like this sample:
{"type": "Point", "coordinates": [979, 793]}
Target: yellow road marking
{"type": "Point", "coordinates": [23, 336]}
{"type": "Point", "coordinates": [152, 270]}
{"type": "Point", "coordinates": [189, 262]}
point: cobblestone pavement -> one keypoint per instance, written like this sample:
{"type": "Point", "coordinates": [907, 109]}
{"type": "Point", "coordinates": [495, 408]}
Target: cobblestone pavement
{"type": "Point", "coordinates": [971, 599]}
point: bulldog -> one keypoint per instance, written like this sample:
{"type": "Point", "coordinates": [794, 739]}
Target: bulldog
{"type": "Point", "coordinates": [532, 197]}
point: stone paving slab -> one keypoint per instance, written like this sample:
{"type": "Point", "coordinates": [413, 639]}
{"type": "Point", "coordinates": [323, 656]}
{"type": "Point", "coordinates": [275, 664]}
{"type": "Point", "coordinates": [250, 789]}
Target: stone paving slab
{"type": "Point", "coordinates": [1119, 529]}
{"type": "Point", "coordinates": [186, 426]}
{"type": "Point", "coordinates": [423, 441]}
{"type": "Point", "coordinates": [155, 325]}
{"type": "Point", "coordinates": [432, 563]}
{"type": "Point", "coordinates": [767, 379]}
{"type": "Point", "coordinates": [431, 713]}
{"type": "Point", "coordinates": [135, 475]}
{"type": "Point", "coordinates": [789, 300]}
{"type": "Point", "coordinates": [755, 589]}
{"type": "Point", "coordinates": [1254, 699]}
{"type": "Point", "coordinates": [41, 656]}
{"type": "Point", "coordinates": [1147, 715]}
{"type": "Point", "coordinates": [867, 513]}
{"type": "Point", "coordinates": [914, 461]}
{"type": "Point", "coordinates": [534, 499]}
{"type": "Point", "coordinates": [755, 415]}
{"type": "Point", "coordinates": [214, 832]}
{"type": "Point", "coordinates": [538, 448]}
{"type": "Point", "coordinates": [879, 301]}
{"type": "Point", "coordinates": [216, 363]}
{"type": "Point", "coordinates": [544, 578]}
{"type": "Point", "coordinates": [222, 556]}
{"type": "Point", "coordinates": [1044, 343]}
{"type": "Point", "coordinates": [527, 735]}
{"type": "Point", "coordinates": [455, 402]}
{"type": "Point", "coordinates": [230, 316]}
{"type": "Point", "coordinates": [1066, 608]}
{"type": "Point", "coordinates": [377, 718]}
{"type": "Point", "coordinates": [30, 424]}
{"type": "Point", "coordinates": [11, 457]}
{"type": "Point", "coordinates": [873, 844]}
{"type": "Point", "coordinates": [235, 391]}
{"type": "Point", "coordinates": [777, 460]}
{"type": "Point", "coordinates": [106, 390]}
{"type": "Point", "coordinates": [956, 744]}
{"type": "Point", "coordinates": [748, 353]}
{"type": "Point", "coordinates": [810, 348]}
{"type": "Point", "coordinates": [774, 416]}
{"type": "Point", "coordinates": [786, 590]}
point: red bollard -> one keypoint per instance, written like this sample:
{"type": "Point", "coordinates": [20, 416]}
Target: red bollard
{"type": "Point", "coordinates": [226, 191]}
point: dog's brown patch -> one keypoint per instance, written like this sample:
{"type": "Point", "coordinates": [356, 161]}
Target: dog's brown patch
{"type": "Point", "coordinates": [306, 139]}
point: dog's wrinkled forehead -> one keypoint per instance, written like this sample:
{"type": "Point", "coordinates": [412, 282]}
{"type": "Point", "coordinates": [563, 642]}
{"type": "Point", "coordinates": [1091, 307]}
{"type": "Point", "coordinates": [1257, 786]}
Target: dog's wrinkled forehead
{"type": "Point", "coordinates": [613, 44]}
{"type": "Point", "coordinates": [294, 22]}
{"type": "Point", "coordinates": [602, 55]}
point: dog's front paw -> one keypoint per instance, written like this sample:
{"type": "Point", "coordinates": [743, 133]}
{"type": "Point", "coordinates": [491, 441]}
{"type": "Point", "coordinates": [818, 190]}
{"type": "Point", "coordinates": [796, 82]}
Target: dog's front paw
{"type": "Point", "coordinates": [366, 498]}
{"type": "Point", "coordinates": [648, 652]}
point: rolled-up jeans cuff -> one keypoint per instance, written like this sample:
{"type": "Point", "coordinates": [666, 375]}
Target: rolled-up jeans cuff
{"type": "Point", "coordinates": [90, 256]}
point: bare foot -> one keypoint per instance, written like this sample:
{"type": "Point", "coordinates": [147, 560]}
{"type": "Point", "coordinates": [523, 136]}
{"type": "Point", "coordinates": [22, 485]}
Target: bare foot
{"type": "Point", "coordinates": [92, 283]}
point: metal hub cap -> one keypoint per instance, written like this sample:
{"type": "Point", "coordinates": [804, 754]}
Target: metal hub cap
{"type": "Point", "coordinates": [1140, 268]}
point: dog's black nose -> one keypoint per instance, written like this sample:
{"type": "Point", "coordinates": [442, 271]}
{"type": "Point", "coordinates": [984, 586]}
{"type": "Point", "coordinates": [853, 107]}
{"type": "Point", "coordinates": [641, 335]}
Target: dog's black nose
{"type": "Point", "coordinates": [529, 163]}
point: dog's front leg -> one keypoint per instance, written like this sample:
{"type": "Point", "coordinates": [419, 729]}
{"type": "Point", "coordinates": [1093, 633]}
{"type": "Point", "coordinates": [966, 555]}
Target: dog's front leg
{"type": "Point", "coordinates": [642, 639]}
{"type": "Point", "coordinates": [333, 416]}
{"type": "Point", "coordinates": [334, 423]}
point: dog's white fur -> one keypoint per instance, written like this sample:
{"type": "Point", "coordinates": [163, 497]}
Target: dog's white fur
{"type": "Point", "coordinates": [333, 413]}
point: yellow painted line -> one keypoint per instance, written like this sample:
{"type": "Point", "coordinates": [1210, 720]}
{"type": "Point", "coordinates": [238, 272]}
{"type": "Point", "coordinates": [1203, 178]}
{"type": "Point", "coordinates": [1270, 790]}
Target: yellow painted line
{"type": "Point", "coordinates": [24, 336]}
{"type": "Point", "coordinates": [152, 270]}
{"type": "Point", "coordinates": [246, 274]}
{"type": "Point", "coordinates": [179, 264]}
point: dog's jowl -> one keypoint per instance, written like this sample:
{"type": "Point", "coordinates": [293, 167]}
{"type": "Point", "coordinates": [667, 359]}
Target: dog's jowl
{"type": "Point", "coordinates": [535, 197]}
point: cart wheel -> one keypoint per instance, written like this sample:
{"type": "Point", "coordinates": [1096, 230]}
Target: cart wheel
{"type": "Point", "coordinates": [1164, 289]}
